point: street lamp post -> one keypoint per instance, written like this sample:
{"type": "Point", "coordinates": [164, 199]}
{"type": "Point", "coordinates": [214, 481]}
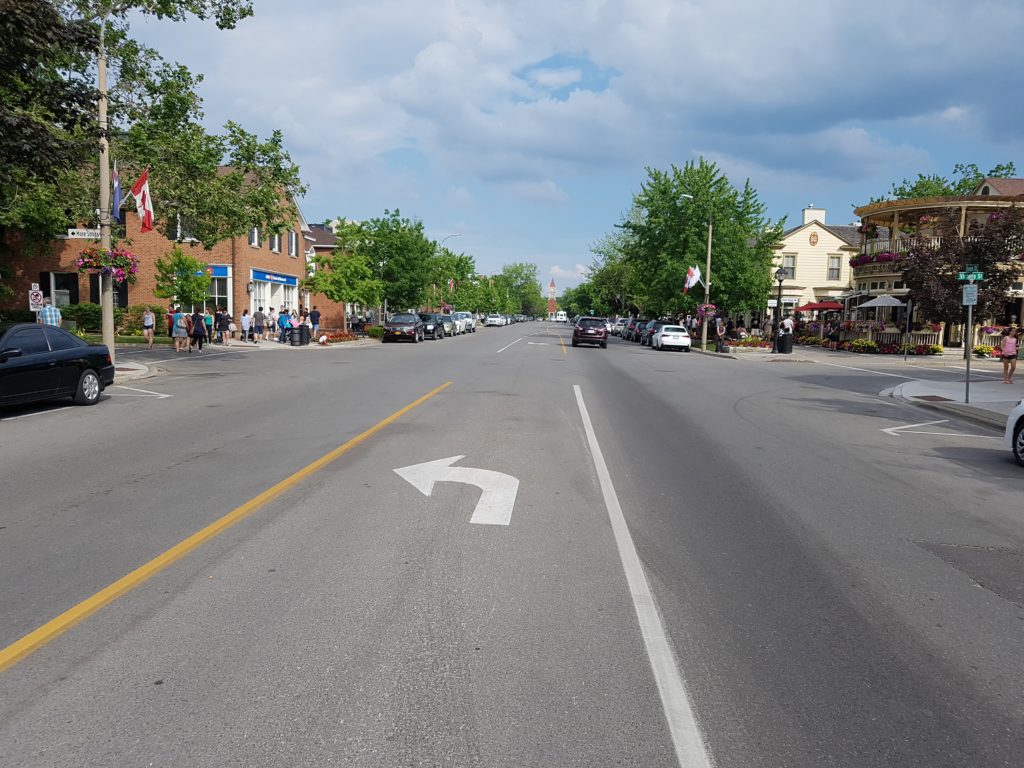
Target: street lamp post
{"type": "Point", "coordinates": [707, 277]}
{"type": "Point", "coordinates": [780, 274]}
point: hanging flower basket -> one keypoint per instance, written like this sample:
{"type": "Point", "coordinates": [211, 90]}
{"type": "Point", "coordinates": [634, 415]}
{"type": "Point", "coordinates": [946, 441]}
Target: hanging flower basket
{"type": "Point", "coordinates": [122, 265]}
{"type": "Point", "coordinates": [707, 310]}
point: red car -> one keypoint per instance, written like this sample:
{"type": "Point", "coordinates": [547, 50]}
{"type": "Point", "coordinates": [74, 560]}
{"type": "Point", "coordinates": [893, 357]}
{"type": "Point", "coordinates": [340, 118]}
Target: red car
{"type": "Point", "coordinates": [590, 330]}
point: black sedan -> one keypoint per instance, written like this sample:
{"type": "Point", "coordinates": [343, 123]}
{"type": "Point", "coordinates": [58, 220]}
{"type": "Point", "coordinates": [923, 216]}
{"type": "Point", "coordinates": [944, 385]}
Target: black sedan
{"type": "Point", "coordinates": [434, 325]}
{"type": "Point", "coordinates": [404, 326]}
{"type": "Point", "coordinates": [42, 362]}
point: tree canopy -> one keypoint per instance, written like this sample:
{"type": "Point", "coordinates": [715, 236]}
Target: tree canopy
{"type": "Point", "coordinates": [965, 179]}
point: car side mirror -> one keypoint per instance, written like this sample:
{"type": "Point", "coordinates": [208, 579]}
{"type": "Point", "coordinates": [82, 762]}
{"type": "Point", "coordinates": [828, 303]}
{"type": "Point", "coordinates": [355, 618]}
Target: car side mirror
{"type": "Point", "coordinates": [9, 352]}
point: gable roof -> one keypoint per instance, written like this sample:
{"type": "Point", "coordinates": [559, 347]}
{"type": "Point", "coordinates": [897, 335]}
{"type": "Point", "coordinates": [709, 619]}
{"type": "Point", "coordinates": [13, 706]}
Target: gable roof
{"type": "Point", "coordinates": [1009, 187]}
{"type": "Point", "coordinates": [848, 233]}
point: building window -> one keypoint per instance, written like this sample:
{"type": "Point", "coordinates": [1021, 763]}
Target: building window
{"type": "Point", "coordinates": [1017, 287]}
{"type": "Point", "coordinates": [833, 267]}
{"type": "Point", "coordinates": [254, 238]}
{"type": "Point", "coordinates": [290, 296]}
{"type": "Point", "coordinates": [789, 264]}
{"type": "Point", "coordinates": [897, 285]}
{"type": "Point", "coordinates": [293, 243]}
{"type": "Point", "coordinates": [179, 229]}
{"type": "Point", "coordinates": [218, 295]}
{"type": "Point", "coordinates": [275, 243]}
{"type": "Point", "coordinates": [874, 286]}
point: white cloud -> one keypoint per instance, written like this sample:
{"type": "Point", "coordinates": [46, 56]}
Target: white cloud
{"type": "Point", "coordinates": [569, 274]}
{"type": "Point", "coordinates": [538, 191]}
{"type": "Point", "coordinates": [554, 79]}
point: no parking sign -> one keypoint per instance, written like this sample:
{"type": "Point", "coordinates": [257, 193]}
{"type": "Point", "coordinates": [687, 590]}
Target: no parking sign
{"type": "Point", "coordinates": [35, 301]}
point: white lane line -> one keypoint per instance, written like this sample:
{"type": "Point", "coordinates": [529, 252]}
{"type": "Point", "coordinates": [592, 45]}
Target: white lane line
{"type": "Point", "coordinates": [682, 721]}
{"type": "Point", "coordinates": [143, 392]}
{"type": "Point", "coordinates": [962, 370]}
{"type": "Point", "coordinates": [37, 413]}
{"type": "Point", "coordinates": [509, 345]}
{"type": "Point", "coordinates": [179, 356]}
{"type": "Point", "coordinates": [868, 370]}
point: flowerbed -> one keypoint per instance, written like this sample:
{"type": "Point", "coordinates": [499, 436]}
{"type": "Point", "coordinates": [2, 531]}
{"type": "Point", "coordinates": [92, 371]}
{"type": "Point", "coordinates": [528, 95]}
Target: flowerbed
{"type": "Point", "coordinates": [865, 347]}
{"type": "Point", "coordinates": [752, 342]}
{"type": "Point", "coordinates": [875, 258]}
{"type": "Point", "coordinates": [335, 337]}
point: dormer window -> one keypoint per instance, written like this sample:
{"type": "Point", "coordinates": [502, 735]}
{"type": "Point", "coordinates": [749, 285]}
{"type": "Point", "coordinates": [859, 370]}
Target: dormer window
{"type": "Point", "coordinates": [985, 190]}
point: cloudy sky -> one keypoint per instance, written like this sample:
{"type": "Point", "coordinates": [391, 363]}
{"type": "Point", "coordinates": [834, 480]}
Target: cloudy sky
{"type": "Point", "coordinates": [525, 125]}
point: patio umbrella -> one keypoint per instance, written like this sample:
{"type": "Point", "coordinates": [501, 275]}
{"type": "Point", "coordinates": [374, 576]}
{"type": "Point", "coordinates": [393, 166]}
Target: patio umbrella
{"type": "Point", "coordinates": [819, 305]}
{"type": "Point", "coordinates": [884, 300]}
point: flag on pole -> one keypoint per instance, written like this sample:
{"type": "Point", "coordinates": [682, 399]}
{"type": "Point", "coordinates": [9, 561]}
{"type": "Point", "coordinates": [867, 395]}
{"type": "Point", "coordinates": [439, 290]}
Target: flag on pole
{"type": "Point", "coordinates": [143, 202]}
{"type": "Point", "coordinates": [692, 278]}
{"type": "Point", "coordinates": [117, 195]}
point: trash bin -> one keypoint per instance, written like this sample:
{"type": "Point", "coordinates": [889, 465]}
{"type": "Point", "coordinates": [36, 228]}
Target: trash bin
{"type": "Point", "coordinates": [296, 336]}
{"type": "Point", "coordinates": [785, 344]}
{"type": "Point", "coordinates": [304, 334]}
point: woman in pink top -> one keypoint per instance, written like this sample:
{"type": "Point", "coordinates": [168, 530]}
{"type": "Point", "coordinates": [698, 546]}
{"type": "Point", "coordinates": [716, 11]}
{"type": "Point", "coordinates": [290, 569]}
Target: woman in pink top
{"type": "Point", "coordinates": [1008, 353]}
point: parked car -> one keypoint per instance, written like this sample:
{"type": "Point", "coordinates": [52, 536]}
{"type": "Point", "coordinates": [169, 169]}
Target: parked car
{"type": "Point", "coordinates": [628, 328]}
{"type": "Point", "coordinates": [433, 325]}
{"type": "Point", "coordinates": [634, 329]}
{"type": "Point", "coordinates": [671, 337]}
{"type": "Point", "coordinates": [618, 325]}
{"type": "Point", "coordinates": [493, 321]}
{"type": "Point", "coordinates": [43, 362]}
{"type": "Point", "coordinates": [590, 330]}
{"type": "Point", "coordinates": [404, 326]}
{"type": "Point", "coordinates": [450, 321]}
{"type": "Point", "coordinates": [1013, 438]}
{"type": "Point", "coordinates": [649, 330]}
{"type": "Point", "coordinates": [468, 321]}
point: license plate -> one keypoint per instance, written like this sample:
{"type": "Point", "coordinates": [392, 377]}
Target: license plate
{"type": "Point", "coordinates": [591, 331]}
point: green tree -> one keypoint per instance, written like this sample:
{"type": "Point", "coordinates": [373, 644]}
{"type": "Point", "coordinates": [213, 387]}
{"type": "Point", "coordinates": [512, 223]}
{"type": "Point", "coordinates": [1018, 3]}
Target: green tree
{"type": "Point", "coordinates": [459, 269]}
{"type": "Point", "coordinates": [667, 231]}
{"type": "Point", "coordinates": [345, 275]}
{"type": "Point", "coordinates": [182, 277]}
{"type": "Point", "coordinates": [965, 179]}
{"type": "Point", "coordinates": [399, 251]}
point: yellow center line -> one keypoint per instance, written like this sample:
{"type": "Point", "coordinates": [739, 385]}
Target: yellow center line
{"type": "Point", "coordinates": [562, 342]}
{"type": "Point", "coordinates": [36, 639]}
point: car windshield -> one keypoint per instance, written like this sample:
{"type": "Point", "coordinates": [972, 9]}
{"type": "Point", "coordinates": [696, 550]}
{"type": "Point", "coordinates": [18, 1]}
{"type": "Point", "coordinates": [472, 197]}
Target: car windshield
{"type": "Point", "coordinates": [404, 318]}
{"type": "Point", "coordinates": [426, 317]}
{"type": "Point", "coordinates": [590, 322]}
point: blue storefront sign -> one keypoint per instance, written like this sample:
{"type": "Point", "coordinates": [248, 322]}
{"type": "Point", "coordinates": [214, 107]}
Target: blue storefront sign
{"type": "Point", "coordinates": [216, 271]}
{"type": "Point", "coordinates": [271, 277]}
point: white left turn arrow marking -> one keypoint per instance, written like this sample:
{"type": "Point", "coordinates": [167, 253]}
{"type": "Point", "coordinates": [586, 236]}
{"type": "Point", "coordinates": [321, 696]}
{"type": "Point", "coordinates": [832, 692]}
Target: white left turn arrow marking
{"type": "Point", "coordinates": [499, 490]}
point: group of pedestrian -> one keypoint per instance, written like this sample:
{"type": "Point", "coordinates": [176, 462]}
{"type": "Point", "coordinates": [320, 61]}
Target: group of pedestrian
{"type": "Point", "coordinates": [191, 330]}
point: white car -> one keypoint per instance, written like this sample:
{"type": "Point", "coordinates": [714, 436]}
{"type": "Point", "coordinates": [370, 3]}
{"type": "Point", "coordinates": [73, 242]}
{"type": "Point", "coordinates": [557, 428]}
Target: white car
{"type": "Point", "coordinates": [1013, 438]}
{"type": "Point", "coordinates": [467, 320]}
{"type": "Point", "coordinates": [671, 337]}
{"type": "Point", "coordinates": [494, 321]}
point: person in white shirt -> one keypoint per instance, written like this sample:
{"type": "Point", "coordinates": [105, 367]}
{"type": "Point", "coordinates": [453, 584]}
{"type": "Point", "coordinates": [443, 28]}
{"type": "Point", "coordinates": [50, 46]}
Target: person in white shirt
{"type": "Point", "coordinates": [271, 327]}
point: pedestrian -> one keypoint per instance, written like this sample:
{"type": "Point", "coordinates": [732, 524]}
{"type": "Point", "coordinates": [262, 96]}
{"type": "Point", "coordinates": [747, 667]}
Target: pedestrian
{"type": "Point", "coordinates": [208, 322]}
{"type": "Point", "coordinates": [223, 326]}
{"type": "Point", "coordinates": [284, 323]}
{"type": "Point", "coordinates": [148, 324]}
{"type": "Point", "coordinates": [258, 321]}
{"type": "Point", "coordinates": [197, 334]}
{"type": "Point", "coordinates": [314, 318]}
{"type": "Point", "coordinates": [787, 325]}
{"type": "Point", "coordinates": [271, 324]}
{"type": "Point", "coordinates": [246, 323]}
{"type": "Point", "coordinates": [49, 314]}
{"type": "Point", "coordinates": [179, 330]}
{"type": "Point", "coordinates": [169, 317]}
{"type": "Point", "coordinates": [720, 333]}
{"type": "Point", "coordinates": [833, 335]}
{"type": "Point", "coordinates": [1008, 354]}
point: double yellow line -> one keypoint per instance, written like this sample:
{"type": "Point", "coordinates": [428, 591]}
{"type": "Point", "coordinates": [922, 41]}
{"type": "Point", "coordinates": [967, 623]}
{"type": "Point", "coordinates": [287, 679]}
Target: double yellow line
{"type": "Point", "coordinates": [36, 639]}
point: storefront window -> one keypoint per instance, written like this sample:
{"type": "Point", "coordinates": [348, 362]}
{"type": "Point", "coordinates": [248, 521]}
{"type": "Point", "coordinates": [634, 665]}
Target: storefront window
{"type": "Point", "coordinates": [218, 295]}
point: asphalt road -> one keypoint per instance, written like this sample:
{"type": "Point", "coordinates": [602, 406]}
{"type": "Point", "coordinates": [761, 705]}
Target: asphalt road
{"type": "Point", "coordinates": [822, 592]}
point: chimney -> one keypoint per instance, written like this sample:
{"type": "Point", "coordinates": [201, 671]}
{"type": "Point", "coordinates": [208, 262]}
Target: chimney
{"type": "Point", "coordinates": [811, 214]}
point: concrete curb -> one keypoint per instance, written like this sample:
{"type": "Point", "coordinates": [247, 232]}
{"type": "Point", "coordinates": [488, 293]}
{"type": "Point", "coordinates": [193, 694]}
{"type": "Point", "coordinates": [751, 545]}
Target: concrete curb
{"type": "Point", "coordinates": [125, 372]}
{"type": "Point", "coordinates": [972, 413]}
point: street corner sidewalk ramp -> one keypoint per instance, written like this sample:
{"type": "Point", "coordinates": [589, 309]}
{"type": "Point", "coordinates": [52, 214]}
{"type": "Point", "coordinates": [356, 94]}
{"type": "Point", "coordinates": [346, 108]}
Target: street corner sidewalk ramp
{"type": "Point", "coordinates": [127, 371]}
{"type": "Point", "coordinates": [991, 401]}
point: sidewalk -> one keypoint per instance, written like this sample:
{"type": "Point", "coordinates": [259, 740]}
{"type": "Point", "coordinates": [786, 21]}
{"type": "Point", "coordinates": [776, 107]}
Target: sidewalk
{"type": "Point", "coordinates": [991, 400]}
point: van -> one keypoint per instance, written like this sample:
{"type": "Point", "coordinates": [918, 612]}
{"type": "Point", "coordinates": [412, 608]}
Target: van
{"type": "Point", "coordinates": [560, 317]}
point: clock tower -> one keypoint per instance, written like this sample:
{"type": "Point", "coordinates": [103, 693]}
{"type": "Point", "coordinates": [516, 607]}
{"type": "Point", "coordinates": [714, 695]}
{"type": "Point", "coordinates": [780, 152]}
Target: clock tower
{"type": "Point", "coordinates": [552, 305]}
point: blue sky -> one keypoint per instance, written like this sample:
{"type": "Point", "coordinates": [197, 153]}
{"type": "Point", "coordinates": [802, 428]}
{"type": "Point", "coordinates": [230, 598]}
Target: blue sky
{"type": "Point", "coordinates": [526, 126]}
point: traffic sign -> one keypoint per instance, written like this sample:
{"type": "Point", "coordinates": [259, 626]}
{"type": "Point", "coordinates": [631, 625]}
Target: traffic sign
{"type": "Point", "coordinates": [970, 275]}
{"type": "Point", "coordinates": [970, 295]}
{"type": "Point", "coordinates": [35, 301]}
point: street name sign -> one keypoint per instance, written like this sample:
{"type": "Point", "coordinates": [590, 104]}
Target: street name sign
{"type": "Point", "coordinates": [970, 275]}
{"type": "Point", "coordinates": [970, 295]}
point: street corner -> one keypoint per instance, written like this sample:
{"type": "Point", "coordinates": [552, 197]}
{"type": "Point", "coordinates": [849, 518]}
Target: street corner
{"type": "Point", "coordinates": [129, 371]}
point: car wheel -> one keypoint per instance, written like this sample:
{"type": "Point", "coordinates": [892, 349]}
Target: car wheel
{"type": "Point", "coordinates": [687, 349]}
{"type": "Point", "coordinates": [1018, 442]}
{"type": "Point", "coordinates": [88, 392]}
{"type": "Point", "coordinates": [604, 345]}
{"type": "Point", "coordinates": [575, 343]}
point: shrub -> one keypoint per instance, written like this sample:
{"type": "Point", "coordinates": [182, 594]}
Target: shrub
{"type": "Point", "coordinates": [863, 346]}
{"type": "Point", "coordinates": [984, 350]}
{"type": "Point", "coordinates": [129, 321]}
{"type": "Point", "coordinates": [88, 316]}
{"type": "Point", "coordinates": [750, 341]}
{"type": "Point", "coordinates": [17, 316]}
{"type": "Point", "coordinates": [375, 332]}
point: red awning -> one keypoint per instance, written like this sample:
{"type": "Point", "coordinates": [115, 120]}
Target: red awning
{"type": "Point", "coordinates": [819, 305]}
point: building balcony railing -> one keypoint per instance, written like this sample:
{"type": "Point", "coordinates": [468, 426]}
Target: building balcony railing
{"type": "Point", "coordinates": [884, 268]}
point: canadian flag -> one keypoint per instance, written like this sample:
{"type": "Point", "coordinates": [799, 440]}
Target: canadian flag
{"type": "Point", "coordinates": [143, 202]}
{"type": "Point", "coordinates": [692, 278]}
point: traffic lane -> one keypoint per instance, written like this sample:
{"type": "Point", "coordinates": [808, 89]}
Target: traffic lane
{"type": "Point", "coordinates": [393, 630]}
{"type": "Point", "coordinates": [814, 628]}
{"type": "Point", "coordinates": [164, 469]}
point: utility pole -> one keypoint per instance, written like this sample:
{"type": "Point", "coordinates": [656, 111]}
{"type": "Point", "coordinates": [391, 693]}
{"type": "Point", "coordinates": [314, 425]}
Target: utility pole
{"type": "Point", "coordinates": [106, 280]}
{"type": "Point", "coordinates": [707, 288]}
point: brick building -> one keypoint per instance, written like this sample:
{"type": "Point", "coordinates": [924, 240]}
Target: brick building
{"type": "Point", "coordinates": [248, 272]}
